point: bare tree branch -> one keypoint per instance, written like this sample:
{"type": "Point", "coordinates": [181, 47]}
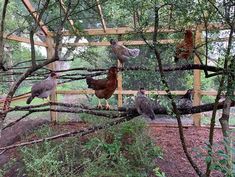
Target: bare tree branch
{"type": "Point", "coordinates": [82, 132]}
{"type": "Point", "coordinates": [1, 36]}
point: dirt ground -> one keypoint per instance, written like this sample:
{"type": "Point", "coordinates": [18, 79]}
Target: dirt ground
{"type": "Point", "coordinates": [174, 162]}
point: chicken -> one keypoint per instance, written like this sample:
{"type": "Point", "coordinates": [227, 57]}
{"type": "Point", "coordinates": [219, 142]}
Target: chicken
{"type": "Point", "coordinates": [43, 88]}
{"type": "Point", "coordinates": [186, 101]}
{"type": "Point", "coordinates": [123, 53]}
{"type": "Point", "coordinates": [185, 48]}
{"type": "Point", "coordinates": [143, 105]}
{"type": "Point", "coordinates": [104, 88]}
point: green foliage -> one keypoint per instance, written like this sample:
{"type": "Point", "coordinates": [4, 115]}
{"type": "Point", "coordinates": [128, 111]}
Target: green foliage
{"type": "Point", "coordinates": [124, 150]}
{"type": "Point", "coordinates": [221, 158]}
{"type": "Point", "coordinates": [4, 168]}
{"type": "Point", "coordinates": [159, 173]}
{"type": "Point", "coordinates": [51, 158]}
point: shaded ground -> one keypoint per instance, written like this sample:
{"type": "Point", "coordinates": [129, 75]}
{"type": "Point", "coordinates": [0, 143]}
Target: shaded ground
{"type": "Point", "coordinates": [174, 163]}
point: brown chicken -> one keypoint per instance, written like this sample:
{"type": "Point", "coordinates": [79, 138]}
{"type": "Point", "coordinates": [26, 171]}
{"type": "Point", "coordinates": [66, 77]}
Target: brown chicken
{"type": "Point", "coordinates": [185, 48]}
{"type": "Point", "coordinates": [104, 88]}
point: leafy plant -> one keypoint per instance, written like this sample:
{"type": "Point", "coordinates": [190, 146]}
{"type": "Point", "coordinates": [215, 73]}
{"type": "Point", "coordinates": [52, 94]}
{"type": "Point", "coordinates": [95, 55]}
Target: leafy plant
{"type": "Point", "coordinates": [124, 150]}
{"type": "Point", "coordinates": [221, 158]}
{"type": "Point", "coordinates": [50, 158]}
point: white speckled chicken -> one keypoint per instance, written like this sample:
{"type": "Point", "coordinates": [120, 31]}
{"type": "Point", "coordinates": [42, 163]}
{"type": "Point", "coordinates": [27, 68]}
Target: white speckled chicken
{"type": "Point", "coordinates": [185, 101]}
{"type": "Point", "coordinates": [144, 105]}
{"type": "Point", "coordinates": [43, 88]}
{"type": "Point", "coordinates": [123, 53]}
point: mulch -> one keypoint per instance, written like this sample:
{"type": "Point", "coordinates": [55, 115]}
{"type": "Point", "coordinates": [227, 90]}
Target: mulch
{"type": "Point", "coordinates": [174, 162]}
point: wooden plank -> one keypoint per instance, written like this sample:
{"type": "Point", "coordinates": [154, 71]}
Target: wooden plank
{"type": "Point", "coordinates": [35, 15]}
{"type": "Point", "coordinates": [125, 92]}
{"type": "Point", "coordinates": [106, 43]}
{"type": "Point", "coordinates": [197, 82]}
{"type": "Point", "coordinates": [115, 31]}
{"type": "Point", "coordinates": [53, 97]}
{"type": "Point", "coordinates": [119, 78]}
{"type": "Point", "coordinates": [127, 30]}
{"type": "Point", "coordinates": [136, 42]}
{"type": "Point", "coordinates": [103, 43]}
{"type": "Point", "coordinates": [23, 39]}
{"type": "Point", "coordinates": [101, 15]}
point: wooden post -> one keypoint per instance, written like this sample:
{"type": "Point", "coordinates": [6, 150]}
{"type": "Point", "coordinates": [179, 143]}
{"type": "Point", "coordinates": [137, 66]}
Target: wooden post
{"type": "Point", "coordinates": [197, 82]}
{"type": "Point", "coordinates": [52, 66]}
{"type": "Point", "coordinates": [119, 86]}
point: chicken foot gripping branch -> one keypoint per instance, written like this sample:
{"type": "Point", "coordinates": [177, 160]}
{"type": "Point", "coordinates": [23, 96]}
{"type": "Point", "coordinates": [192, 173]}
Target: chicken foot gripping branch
{"type": "Point", "coordinates": [104, 88]}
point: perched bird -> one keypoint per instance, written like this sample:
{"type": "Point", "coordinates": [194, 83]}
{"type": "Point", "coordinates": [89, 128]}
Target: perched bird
{"type": "Point", "coordinates": [186, 101]}
{"type": "Point", "coordinates": [104, 88]}
{"type": "Point", "coordinates": [123, 53]}
{"type": "Point", "coordinates": [143, 105]}
{"type": "Point", "coordinates": [185, 48]}
{"type": "Point", "coordinates": [43, 88]}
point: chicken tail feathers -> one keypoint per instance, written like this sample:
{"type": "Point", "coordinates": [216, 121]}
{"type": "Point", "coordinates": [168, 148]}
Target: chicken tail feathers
{"type": "Point", "coordinates": [89, 82]}
{"type": "Point", "coordinates": [134, 52]}
{"type": "Point", "coordinates": [29, 100]}
{"type": "Point", "coordinates": [152, 116]}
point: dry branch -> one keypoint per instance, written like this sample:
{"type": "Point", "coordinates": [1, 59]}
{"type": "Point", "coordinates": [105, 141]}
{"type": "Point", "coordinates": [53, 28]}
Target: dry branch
{"type": "Point", "coordinates": [1, 35]}
{"type": "Point", "coordinates": [82, 132]}
{"type": "Point", "coordinates": [137, 68]}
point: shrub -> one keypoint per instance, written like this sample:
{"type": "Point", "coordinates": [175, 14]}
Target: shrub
{"type": "Point", "coordinates": [123, 150]}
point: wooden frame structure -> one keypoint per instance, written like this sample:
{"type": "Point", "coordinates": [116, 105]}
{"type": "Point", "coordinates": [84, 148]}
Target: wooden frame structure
{"type": "Point", "coordinates": [49, 44]}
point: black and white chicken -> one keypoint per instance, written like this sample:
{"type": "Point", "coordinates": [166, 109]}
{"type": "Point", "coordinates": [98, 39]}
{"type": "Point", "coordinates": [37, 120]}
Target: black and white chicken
{"type": "Point", "coordinates": [44, 88]}
{"type": "Point", "coordinates": [186, 101]}
{"type": "Point", "coordinates": [123, 53]}
{"type": "Point", "coordinates": [144, 105]}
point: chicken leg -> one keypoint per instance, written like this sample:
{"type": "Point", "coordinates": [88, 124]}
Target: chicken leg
{"type": "Point", "coordinates": [99, 106]}
{"type": "Point", "coordinates": [107, 106]}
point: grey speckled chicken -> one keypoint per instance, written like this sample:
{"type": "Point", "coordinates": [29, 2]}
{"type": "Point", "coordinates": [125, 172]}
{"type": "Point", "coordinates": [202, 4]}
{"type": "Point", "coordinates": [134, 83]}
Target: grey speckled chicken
{"type": "Point", "coordinates": [144, 105]}
{"type": "Point", "coordinates": [123, 53]}
{"type": "Point", "coordinates": [185, 101]}
{"type": "Point", "coordinates": [43, 88]}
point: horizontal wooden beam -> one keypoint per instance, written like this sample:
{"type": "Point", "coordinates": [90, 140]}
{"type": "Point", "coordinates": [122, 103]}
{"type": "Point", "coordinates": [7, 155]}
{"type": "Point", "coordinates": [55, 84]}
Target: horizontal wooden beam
{"type": "Point", "coordinates": [106, 43]}
{"type": "Point", "coordinates": [137, 42]}
{"type": "Point", "coordinates": [127, 30]}
{"type": "Point", "coordinates": [114, 31]}
{"type": "Point", "coordinates": [124, 92]}
{"type": "Point", "coordinates": [133, 92]}
{"type": "Point", "coordinates": [23, 39]}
